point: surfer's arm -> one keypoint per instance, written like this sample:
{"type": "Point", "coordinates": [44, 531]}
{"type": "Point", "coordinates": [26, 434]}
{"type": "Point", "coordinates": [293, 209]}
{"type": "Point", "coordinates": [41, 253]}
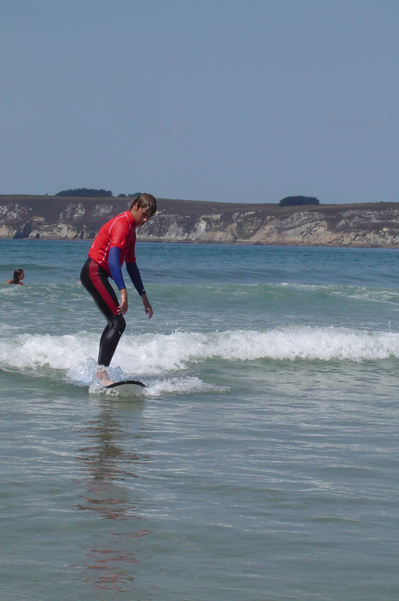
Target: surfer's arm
{"type": "Point", "coordinates": [135, 276]}
{"type": "Point", "coordinates": [116, 273]}
{"type": "Point", "coordinates": [115, 267]}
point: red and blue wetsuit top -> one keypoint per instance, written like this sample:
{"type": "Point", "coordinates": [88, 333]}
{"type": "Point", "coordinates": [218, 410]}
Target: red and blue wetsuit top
{"type": "Point", "coordinates": [114, 245]}
{"type": "Point", "coordinates": [119, 232]}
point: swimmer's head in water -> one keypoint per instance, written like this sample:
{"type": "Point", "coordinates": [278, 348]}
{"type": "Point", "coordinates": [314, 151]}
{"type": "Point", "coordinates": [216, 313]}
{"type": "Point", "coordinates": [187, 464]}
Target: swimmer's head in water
{"type": "Point", "coordinates": [18, 275]}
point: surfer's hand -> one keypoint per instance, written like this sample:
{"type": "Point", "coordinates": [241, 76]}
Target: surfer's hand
{"type": "Point", "coordinates": [122, 309]}
{"type": "Point", "coordinates": [147, 306]}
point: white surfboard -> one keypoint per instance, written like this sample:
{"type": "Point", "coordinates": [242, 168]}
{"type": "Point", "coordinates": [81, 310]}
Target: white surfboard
{"type": "Point", "coordinates": [127, 388]}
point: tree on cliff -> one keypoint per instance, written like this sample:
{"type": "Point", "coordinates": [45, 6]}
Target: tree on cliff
{"type": "Point", "coordinates": [85, 192]}
{"type": "Point", "coordinates": [133, 196]}
{"type": "Point", "coordinates": [298, 200]}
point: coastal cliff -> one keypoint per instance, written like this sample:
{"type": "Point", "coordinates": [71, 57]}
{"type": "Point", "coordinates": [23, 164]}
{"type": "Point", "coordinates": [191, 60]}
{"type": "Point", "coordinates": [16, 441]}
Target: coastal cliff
{"type": "Point", "coordinates": [71, 218]}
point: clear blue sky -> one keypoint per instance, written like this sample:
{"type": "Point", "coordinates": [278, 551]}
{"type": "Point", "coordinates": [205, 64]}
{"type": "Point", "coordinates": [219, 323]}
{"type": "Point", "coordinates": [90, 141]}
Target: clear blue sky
{"type": "Point", "coordinates": [221, 100]}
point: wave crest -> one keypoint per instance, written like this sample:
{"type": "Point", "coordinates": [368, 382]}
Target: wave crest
{"type": "Point", "coordinates": [154, 354]}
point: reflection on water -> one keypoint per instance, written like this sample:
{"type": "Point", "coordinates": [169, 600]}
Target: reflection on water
{"type": "Point", "coordinates": [110, 460]}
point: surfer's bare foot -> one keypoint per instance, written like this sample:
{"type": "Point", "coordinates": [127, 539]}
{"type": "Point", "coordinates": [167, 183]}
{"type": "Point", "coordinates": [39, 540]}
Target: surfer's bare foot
{"type": "Point", "coordinates": [103, 377]}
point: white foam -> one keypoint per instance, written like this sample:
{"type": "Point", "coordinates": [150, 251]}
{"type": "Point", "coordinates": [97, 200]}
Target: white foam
{"type": "Point", "coordinates": [175, 351]}
{"type": "Point", "coordinates": [58, 352]}
{"type": "Point", "coordinates": [155, 355]}
{"type": "Point", "coordinates": [181, 385]}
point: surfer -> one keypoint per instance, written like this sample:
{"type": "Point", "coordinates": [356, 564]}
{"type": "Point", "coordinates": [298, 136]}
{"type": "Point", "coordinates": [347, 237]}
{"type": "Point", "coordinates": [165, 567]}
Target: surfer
{"type": "Point", "coordinates": [18, 277]}
{"type": "Point", "coordinates": [113, 246]}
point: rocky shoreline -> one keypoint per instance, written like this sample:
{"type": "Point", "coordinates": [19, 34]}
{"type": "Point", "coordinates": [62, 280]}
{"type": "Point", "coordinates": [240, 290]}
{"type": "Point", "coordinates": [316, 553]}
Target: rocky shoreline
{"type": "Point", "coordinates": [69, 218]}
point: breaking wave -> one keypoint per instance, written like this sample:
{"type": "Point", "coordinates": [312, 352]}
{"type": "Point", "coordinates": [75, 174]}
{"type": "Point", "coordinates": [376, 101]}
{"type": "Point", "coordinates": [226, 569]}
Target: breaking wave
{"type": "Point", "coordinates": [151, 355]}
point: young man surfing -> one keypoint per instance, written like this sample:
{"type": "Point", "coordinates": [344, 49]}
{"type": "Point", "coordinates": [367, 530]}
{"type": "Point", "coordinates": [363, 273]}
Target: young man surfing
{"type": "Point", "coordinates": [112, 247]}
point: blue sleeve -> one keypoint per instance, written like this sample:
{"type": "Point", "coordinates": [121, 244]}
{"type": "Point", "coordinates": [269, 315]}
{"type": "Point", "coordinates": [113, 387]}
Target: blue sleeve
{"type": "Point", "coordinates": [114, 266]}
{"type": "Point", "coordinates": [135, 276]}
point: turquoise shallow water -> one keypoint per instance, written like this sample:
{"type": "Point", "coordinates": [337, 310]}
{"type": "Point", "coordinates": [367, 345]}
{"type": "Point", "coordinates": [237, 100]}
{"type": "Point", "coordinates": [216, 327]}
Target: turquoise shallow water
{"type": "Point", "coordinates": [262, 462]}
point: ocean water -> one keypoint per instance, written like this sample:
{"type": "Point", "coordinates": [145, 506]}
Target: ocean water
{"type": "Point", "coordinates": [261, 464]}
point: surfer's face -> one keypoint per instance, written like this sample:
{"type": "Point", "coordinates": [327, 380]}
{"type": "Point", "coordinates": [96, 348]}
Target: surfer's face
{"type": "Point", "coordinates": [140, 214]}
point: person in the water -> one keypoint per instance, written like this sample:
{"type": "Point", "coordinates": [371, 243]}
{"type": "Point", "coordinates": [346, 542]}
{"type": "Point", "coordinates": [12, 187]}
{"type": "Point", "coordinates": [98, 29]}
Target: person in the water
{"type": "Point", "coordinates": [18, 277]}
{"type": "Point", "coordinates": [112, 247]}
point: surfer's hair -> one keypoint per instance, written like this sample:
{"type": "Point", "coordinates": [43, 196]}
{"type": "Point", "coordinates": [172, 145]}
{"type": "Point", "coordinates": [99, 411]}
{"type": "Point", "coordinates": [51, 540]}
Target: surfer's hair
{"type": "Point", "coordinates": [145, 201]}
{"type": "Point", "coordinates": [17, 274]}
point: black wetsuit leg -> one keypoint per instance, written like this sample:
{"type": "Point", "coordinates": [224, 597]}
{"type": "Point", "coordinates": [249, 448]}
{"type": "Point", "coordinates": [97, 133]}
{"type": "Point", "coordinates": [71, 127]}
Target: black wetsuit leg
{"type": "Point", "coordinates": [96, 281]}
